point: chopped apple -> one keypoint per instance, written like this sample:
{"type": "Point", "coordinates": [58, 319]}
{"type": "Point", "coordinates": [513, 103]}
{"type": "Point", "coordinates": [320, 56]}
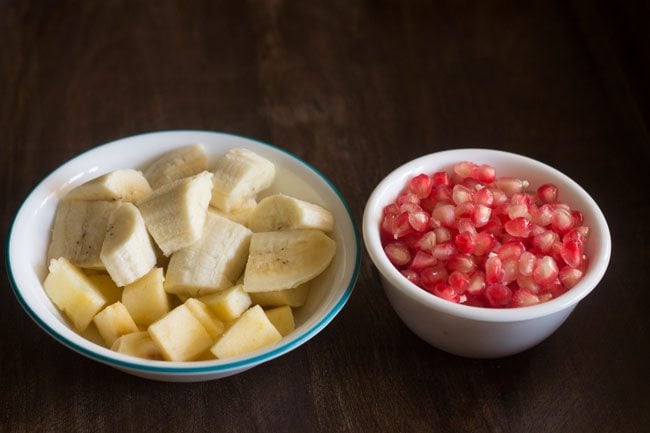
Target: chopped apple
{"type": "Point", "coordinates": [282, 319]}
{"type": "Point", "coordinates": [137, 344]}
{"type": "Point", "coordinates": [113, 322]}
{"type": "Point", "coordinates": [206, 316]}
{"type": "Point", "coordinates": [73, 293]}
{"type": "Point", "coordinates": [228, 304]}
{"type": "Point", "coordinates": [180, 335]}
{"type": "Point", "coordinates": [277, 298]}
{"type": "Point", "coordinates": [250, 332]}
{"type": "Point", "coordinates": [146, 298]}
{"type": "Point", "coordinates": [106, 285]}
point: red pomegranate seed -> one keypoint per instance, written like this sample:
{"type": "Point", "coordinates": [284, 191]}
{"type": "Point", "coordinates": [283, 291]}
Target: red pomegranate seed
{"type": "Point", "coordinates": [464, 169]}
{"type": "Point", "coordinates": [461, 194]}
{"type": "Point", "coordinates": [444, 250]}
{"type": "Point", "coordinates": [555, 288]}
{"type": "Point", "coordinates": [397, 253]}
{"type": "Point", "coordinates": [476, 283]}
{"type": "Point", "coordinates": [465, 225]}
{"type": "Point", "coordinates": [524, 298]}
{"type": "Point", "coordinates": [443, 234]}
{"type": "Point", "coordinates": [391, 209]}
{"type": "Point", "coordinates": [562, 220]}
{"type": "Point", "coordinates": [387, 224]}
{"type": "Point", "coordinates": [401, 226]}
{"type": "Point", "coordinates": [458, 281]}
{"type": "Point", "coordinates": [421, 185]}
{"type": "Point", "coordinates": [408, 197]}
{"type": "Point", "coordinates": [429, 277]}
{"type": "Point", "coordinates": [544, 242]}
{"type": "Point", "coordinates": [442, 194]}
{"type": "Point", "coordinates": [412, 276]}
{"type": "Point", "coordinates": [548, 193]}
{"type": "Point", "coordinates": [517, 211]}
{"type": "Point", "coordinates": [465, 242]}
{"type": "Point", "coordinates": [498, 295]}
{"type": "Point", "coordinates": [494, 226]}
{"type": "Point", "coordinates": [510, 185]}
{"type": "Point", "coordinates": [510, 270]}
{"type": "Point", "coordinates": [422, 261]}
{"type": "Point", "coordinates": [485, 241]}
{"type": "Point", "coordinates": [499, 197]}
{"type": "Point", "coordinates": [527, 263]}
{"type": "Point", "coordinates": [483, 197]}
{"type": "Point", "coordinates": [461, 262]}
{"type": "Point", "coordinates": [571, 252]}
{"type": "Point", "coordinates": [493, 270]}
{"type": "Point", "coordinates": [410, 207]}
{"type": "Point", "coordinates": [445, 291]}
{"type": "Point", "coordinates": [464, 210]}
{"type": "Point", "coordinates": [527, 282]}
{"type": "Point", "coordinates": [428, 203]}
{"type": "Point", "coordinates": [481, 215]}
{"type": "Point", "coordinates": [578, 218]}
{"type": "Point", "coordinates": [440, 178]}
{"type": "Point", "coordinates": [427, 242]}
{"type": "Point", "coordinates": [511, 250]}
{"type": "Point", "coordinates": [484, 173]}
{"type": "Point", "coordinates": [419, 220]}
{"type": "Point", "coordinates": [518, 227]}
{"type": "Point", "coordinates": [546, 271]}
{"type": "Point", "coordinates": [521, 198]}
{"type": "Point", "coordinates": [536, 230]}
{"type": "Point", "coordinates": [444, 214]}
{"type": "Point", "coordinates": [570, 276]}
{"type": "Point", "coordinates": [542, 215]}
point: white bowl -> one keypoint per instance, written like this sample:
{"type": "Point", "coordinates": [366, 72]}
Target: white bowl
{"type": "Point", "coordinates": [29, 238]}
{"type": "Point", "coordinates": [473, 331]}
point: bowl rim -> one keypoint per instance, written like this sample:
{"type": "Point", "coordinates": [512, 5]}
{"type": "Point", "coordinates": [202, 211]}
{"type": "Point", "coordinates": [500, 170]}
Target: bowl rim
{"type": "Point", "coordinates": [190, 367]}
{"type": "Point", "coordinates": [372, 242]}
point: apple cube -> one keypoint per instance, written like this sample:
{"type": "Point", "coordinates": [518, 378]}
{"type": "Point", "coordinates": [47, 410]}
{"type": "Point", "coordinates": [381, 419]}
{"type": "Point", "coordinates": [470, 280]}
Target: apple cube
{"type": "Point", "coordinates": [282, 319]}
{"type": "Point", "coordinates": [228, 304]}
{"type": "Point", "coordinates": [277, 298]}
{"type": "Point", "coordinates": [137, 344]}
{"type": "Point", "coordinates": [146, 298]}
{"type": "Point", "coordinates": [250, 332]}
{"type": "Point", "coordinates": [206, 316]}
{"type": "Point", "coordinates": [113, 322]}
{"type": "Point", "coordinates": [180, 335]}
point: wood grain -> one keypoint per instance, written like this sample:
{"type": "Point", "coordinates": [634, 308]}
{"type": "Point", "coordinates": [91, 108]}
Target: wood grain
{"type": "Point", "coordinates": [355, 88]}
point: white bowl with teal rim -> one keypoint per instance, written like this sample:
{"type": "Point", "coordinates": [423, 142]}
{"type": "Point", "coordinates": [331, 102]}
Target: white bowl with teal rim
{"type": "Point", "coordinates": [30, 234]}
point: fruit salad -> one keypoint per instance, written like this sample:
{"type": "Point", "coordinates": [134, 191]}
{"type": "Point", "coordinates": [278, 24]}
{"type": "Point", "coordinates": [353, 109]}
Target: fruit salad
{"type": "Point", "coordinates": [473, 238]}
{"type": "Point", "coordinates": [182, 263]}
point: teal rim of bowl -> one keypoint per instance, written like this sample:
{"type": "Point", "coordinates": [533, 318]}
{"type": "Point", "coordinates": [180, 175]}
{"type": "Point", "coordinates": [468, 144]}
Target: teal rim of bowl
{"type": "Point", "coordinates": [188, 370]}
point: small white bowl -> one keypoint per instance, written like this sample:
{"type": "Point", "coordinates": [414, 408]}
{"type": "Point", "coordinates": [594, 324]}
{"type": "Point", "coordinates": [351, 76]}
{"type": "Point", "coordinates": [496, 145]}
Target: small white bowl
{"type": "Point", "coordinates": [30, 233]}
{"type": "Point", "coordinates": [473, 331]}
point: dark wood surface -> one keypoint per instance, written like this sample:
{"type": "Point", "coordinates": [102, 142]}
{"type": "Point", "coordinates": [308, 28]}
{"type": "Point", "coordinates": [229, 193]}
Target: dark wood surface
{"type": "Point", "coordinates": [356, 88]}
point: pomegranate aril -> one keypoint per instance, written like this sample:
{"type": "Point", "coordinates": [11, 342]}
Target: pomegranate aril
{"type": "Point", "coordinates": [484, 173]}
{"type": "Point", "coordinates": [464, 169]}
{"type": "Point", "coordinates": [546, 271]}
{"type": "Point", "coordinates": [421, 185]}
{"type": "Point", "coordinates": [498, 295]}
{"type": "Point", "coordinates": [419, 220]}
{"type": "Point", "coordinates": [518, 227]}
{"type": "Point", "coordinates": [429, 277]}
{"type": "Point", "coordinates": [410, 207]}
{"type": "Point", "coordinates": [578, 218]}
{"type": "Point", "coordinates": [443, 234]}
{"type": "Point", "coordinates": [542, 215]}
{"type": "Point", "coordinates": [442, 194]}
{"type": "Point", "coordinates": [498, 197]}
{"type": "Point", "coordinates": [547, 193]}
{"type": "Point", "coordinates": [427, 242]}
{"type": "Point", "coordinates": [494, 225]}
{"type": "Point", "coordinates": [571, 252]}
{"type": "Point", "coordinates": [461, 194]}
{"type": "Point", "coordinates": [521, 198]}
{"type": "Point", "coordinates": [527, 282]}
{"type": "Point", "coordinates": [517, 210]}
{"type": "Point", "coordinates": [484, 243]}
{"type": "Point", "coordinates": [444, 214]}
{"type": "Point", "coordinates": [481, 215]}
{"type": "Point", "coordinates": [465, 225]}
{"type": "Point", "coordinates": [465, 242]}
{"type": "Point", "coordinates": [422, 261]}
{"type": "Point", "coordinates": [387, 224]}
{"type": "Point", "coordinates": [510, 185]}
{"type": "Point", "coordinates": [397, 253]}
{"type": "Point", "coordinates": [412, 276]}
{"type": "Point", "coordinates": [401, 226]}
{"type": "Point", "coordinates": [440, 178]}
{"type": "Point", "coordinates": [524, 298]}
{"type": "Point", "coordinates": [464, 210]}
{"type": "Point", "coordinates": [493, 270]}
{"type": "Point", "coordinates": [511, 250]}
{"type": "Point", "coordinates": [476, 283]}
{"type": "Point", "coordinates": [458, 281]}
{"type": "Point", "coordinates": [483, 197]}
{"type": "Point", "coordinates": [391, 209]}
{"type": "Point", "coordinates": [444, 250]}
{"type": "Point", "coordinates": [461, 262]}
{"type": "Point", "coordinates": [510, 271]}
{"type": "Point", "coordinates": [428, 203]}
{"type": "Point", "coordinates": [562, 220]}
{"type": "Point", "coordinates": [570, 276]}
{"type": "Point", "coordinates": [544, 241]}
{"type": "Point", "coordinates": [446, 292]}
{"type": "Point", "coordinates": [526, 263]}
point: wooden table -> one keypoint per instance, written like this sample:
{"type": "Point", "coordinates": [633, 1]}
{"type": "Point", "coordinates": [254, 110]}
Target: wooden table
{"type": "Point", "coordinates": [355, 88]}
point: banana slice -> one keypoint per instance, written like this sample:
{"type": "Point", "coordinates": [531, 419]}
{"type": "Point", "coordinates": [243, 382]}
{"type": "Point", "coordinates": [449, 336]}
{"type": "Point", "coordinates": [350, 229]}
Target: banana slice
{"type": "Point", "coordinates": [213, 262]}
{"type": "Point", "coordinates": [286, 259]}
{"type": "Point", "coordinates": [177, 164]}
{"type": "Point", "coordinates": [242, 214]}
{"type": "Point", "coordinates": [238, 176]}
{"type": "Point", "coordinates": [281, 212]}
{"type": "Point", "coordinates": [78, 232]}
{"type": "Point", "coordinates": [125, 185]}
{"type": "Point", "coordinates": [128, 252]}
{"type": "Point", "coordinates": [175, 212]}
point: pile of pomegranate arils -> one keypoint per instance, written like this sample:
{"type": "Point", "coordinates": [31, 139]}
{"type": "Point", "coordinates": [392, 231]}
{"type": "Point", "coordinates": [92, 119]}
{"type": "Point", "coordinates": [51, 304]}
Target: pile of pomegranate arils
{"type": "Point", "coordinates": [475, 239]}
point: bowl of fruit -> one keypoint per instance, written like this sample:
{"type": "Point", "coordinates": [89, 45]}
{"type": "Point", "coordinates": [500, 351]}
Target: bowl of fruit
{"type": "Point", "coordinates": [484, 253]}
{"type": "Point", "coordinates": [183, 255]}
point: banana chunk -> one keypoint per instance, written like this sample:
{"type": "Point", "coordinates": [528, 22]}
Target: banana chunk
{"type": "Point", "coordinates": [127, 252]}
{"type": "Point", "coordinates": [125, 185]}
{"type": "Point", "coordinates": [79, 230]}
{"type": "Point", "coordinates": [175, 212]}
{"type": "Point", "coordinates": [281, 212]}
{"type": "Point", "coordinates": [238, 176]}
{"type": "Point", "coordinates": [177, 164]}
{"type": "Point", "coordinates": [213, 262]}
{"type": "Point", "coordinates": [286, 259]}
